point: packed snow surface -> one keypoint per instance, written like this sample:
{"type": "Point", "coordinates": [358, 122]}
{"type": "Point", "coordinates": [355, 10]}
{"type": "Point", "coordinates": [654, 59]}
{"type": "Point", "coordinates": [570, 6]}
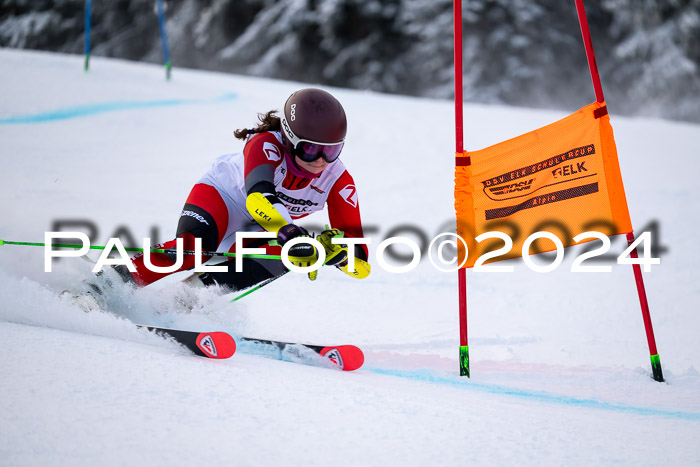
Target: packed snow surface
{"type": "Point", "coordinates": [559, 361]}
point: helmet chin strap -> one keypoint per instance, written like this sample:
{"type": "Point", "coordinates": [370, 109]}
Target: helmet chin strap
{"type": "Point", "coordinates": [296, 169]}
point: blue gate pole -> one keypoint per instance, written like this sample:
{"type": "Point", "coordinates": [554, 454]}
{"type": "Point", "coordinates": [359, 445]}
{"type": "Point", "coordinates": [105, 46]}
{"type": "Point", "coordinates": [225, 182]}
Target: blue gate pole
{"type": "Point", "coordinates": [88, 11]}
{"type": "Point", "coordinates": [164, 38]}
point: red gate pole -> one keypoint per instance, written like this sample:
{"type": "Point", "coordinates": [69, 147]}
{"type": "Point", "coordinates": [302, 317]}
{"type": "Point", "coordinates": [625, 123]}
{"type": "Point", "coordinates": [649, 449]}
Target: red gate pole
{"type": "Point", "coordinates": [459, 149]}
{"type": "Point", "coordinates": [586, 33]}
{"type": "Point", "coordinates": [595, 77]}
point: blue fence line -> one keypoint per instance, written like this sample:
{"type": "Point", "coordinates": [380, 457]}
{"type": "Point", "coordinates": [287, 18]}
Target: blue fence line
{"type": "Point", "coordinates": [455, 381]}
{"type": "Point", "coordinates": [106, 107]}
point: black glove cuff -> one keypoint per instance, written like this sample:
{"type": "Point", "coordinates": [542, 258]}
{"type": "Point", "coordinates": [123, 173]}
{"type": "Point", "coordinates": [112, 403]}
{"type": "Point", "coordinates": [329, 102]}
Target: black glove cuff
{"type": "Point", "coordinates": [289, 232]}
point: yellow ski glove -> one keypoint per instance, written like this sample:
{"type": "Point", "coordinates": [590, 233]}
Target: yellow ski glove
{"type": "Point", "coordinates": [337, 255]}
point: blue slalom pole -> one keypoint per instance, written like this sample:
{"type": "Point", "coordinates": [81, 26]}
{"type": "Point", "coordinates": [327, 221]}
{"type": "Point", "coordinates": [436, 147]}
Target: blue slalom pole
{"type": "Point", "coordinates": [88, 14]}
{"type": "Point", "coordinates": [164, 38]}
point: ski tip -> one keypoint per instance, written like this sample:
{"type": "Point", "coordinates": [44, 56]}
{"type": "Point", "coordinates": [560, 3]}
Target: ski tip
{"type": "Point", "coordinates": [216, 344]}
{"type": "Point", "coordinates": [347, 357]}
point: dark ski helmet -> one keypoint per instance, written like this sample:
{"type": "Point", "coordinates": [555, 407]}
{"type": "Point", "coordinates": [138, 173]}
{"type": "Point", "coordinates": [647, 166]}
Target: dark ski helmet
{"type": "Point", "coordinates": [314, 125]}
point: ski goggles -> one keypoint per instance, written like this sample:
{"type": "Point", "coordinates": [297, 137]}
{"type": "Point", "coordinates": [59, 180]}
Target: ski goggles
{"type": "Point", "coordinates": [310, 151]}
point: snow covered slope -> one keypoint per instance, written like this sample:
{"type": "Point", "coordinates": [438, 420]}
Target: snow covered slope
{"type": "Point", "coordinates": [560, 369]}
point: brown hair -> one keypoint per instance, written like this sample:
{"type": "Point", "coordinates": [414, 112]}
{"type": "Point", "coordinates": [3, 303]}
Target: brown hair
{"type": "Point", "coordinates": [268, 122]}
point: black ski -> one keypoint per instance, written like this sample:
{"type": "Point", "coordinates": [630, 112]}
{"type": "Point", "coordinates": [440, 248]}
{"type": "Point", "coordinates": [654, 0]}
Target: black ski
{"type": "Point", "coordinates": [222, 345]}
{"type": "Point", "coordinates": [205, 344]}
{"type": "Point", "coordinates": [343, 357]}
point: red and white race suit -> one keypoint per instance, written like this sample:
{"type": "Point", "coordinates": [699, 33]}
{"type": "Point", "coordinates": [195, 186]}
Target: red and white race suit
{"type": "Point", "coordinates": [300, 194]}
{"type": "Point", "coordinates": [216, 207]}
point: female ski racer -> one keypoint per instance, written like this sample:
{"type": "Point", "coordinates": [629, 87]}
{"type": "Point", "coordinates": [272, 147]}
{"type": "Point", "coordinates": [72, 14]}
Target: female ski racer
{"type": "Point", "coordinates": [289, 168]}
